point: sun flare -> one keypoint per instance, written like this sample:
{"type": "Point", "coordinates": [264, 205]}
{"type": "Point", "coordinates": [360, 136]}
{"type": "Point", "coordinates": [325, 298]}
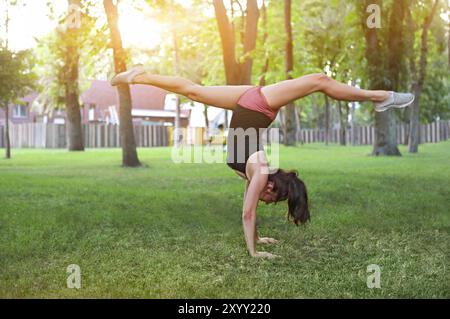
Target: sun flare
{"type": "Point", "coordinates": [139, 30]}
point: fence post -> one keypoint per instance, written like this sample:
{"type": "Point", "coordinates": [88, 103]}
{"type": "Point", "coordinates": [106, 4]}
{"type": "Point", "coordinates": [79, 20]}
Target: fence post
{"type": "Point", "coordinates": [446, 127]}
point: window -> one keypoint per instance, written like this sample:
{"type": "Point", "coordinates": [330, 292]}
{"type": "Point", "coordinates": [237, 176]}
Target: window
{"type": "Point", "coordinates": [91, 112]}
{"type": "Point", "coordinates": [20, 111]}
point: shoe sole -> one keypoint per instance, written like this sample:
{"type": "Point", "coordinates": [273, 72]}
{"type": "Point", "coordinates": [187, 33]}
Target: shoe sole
{"type": "Point", "coordinates": [401, 106]}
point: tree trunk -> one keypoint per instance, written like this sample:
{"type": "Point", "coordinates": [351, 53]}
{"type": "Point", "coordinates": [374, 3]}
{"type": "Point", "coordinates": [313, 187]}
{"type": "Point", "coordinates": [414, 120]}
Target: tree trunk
{"type": "Point", "coordinates": [327, 120]}
{"type": "Point", "coordinates": [228, 40]}
{"type": "Point", "coordinates": [177, 134]}
{"type": "Point", "coordinates": [6, 107]}
{"type": "Point", "coordinates": [342, 125]}
{"type": "Point", "coordinates": [412, 67]}
{"type": "Point", "coordinates": [386, 143]}
{"type": "Point", "coordinates": [7, 138]}
{"type": "Point", "coordinates": [250, 37]}
{"type": "Point", "coordinates": [227, 36]}
{"type": "Point", "coordinates": [405, 123]}
{"type": "Point", "coordinates": [385, 130]}
{"type": "Point", "coordinates": [290, 122]}
{"type": "Point", "coordinates": [205, 113]}
{"type": "Point", "coordinates": [73, 111]}
{"type": "Point", "coordinates": [237, 73]}
{"type": "Point", "coordinates": [414, 123]}
{"type": "Point", "coordinates": [385, 138]}
{"type": "Point", "coordinates": [129, 152]}
{"type": "Point", "coordinates": [263, 80]}
{"type": "Point", "coordinates": [414, 138]}
{"type": "Point", "coordinates": [352, 124]}
{"type": "Point", "coordinates": [298, 114]}
{"type": "Point", "coordinates": [407, 132]}
{"type": "Point", "coordinates": [290, 125]}
{"type": "Point", "coordinates": [73, 115]}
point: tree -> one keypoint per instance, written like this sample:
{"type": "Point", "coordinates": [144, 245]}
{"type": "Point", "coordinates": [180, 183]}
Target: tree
{"type": "Point", "coordinates": [238, 68]}
{"type": "Point", "coordinates": [419, 79]}
{"type": "Point", "coordinates": [176, 62]}
{"type": "Point", "coordinates": [129, 152]}
{"type": "Point", "coordinates": [16, 79]}
{"type": "Point", "coordinates": [265, 69]}
{"type": "Point", "coordinates": [65, 61]}
{"type": "Point", "coordinates": [332, 48]}
{"type": "Point", "coordinates": [290, 115]}
{"type": "Point", "coordinates": [384, 59]}
{"type": "Point", "coordinates": [448, 34]}
{"type": "Point", "coordinates": [71, 55]}
{"type": "Point", "coordinates": [173, 13]}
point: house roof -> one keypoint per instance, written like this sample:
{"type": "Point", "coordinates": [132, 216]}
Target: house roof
{"type": "Point", "coordinates": [103, 95]}
{"type": "Point", "coordinates": [30, 97]}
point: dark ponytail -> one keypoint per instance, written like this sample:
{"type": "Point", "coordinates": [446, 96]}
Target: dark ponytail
{"type": "Point", "coordinates": [289, 187]}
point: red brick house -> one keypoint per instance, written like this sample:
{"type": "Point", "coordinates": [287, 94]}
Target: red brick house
{"type": "Point", "coordinates": [21, 113]}
{"type": "Point", "coordinates": [151, 105]}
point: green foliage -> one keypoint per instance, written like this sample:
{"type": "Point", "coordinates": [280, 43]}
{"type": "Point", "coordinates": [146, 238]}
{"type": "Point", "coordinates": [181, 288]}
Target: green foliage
{"type": "Point", "coordinates": [199, 49]}
{"type": "Point", "coordinates": [435, 99]}
{"type": "Point", "coordinates": [16, 76]}
{"type": "Point", "coordinates": [90, 41]}
{"type": "Point", "coordinates": [327, 34]}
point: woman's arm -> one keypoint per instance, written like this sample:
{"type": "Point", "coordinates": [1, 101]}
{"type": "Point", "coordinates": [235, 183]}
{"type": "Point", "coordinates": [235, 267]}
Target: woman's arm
{"type": "Point", "coordinates": [247, 184]}
{"type": "Point", "coordinates": [253, 191]}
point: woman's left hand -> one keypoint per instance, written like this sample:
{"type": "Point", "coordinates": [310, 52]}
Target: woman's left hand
{"type": "Point", "coordinates": [267, 241]}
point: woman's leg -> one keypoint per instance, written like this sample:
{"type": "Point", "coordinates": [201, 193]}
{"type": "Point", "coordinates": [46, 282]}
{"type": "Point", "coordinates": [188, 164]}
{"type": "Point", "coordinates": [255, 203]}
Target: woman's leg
{"type": "Point", "coordinates": [224, 97]}
{"type": "Point", "coordinates": [280, 94]}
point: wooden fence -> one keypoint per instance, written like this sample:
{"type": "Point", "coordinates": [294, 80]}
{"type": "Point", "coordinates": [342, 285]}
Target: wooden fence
{"type": "Point", "coordinates": [39, 135]}
{"type": "Point", "coordinates": [429, 133]}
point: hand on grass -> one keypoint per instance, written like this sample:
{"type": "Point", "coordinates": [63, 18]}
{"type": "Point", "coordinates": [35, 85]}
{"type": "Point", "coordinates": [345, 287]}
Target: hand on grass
{"type": "Point", "coordinates": [267, 241]}
{"type": "Point", "coordinates": [263, 254]}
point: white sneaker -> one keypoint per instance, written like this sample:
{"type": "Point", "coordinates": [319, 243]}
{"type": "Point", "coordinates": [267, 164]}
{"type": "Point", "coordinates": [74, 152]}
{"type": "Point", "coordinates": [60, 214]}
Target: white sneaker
{"type": "Point", "coordinates": [128, 76]}
{"type": "Point", "coordinates": [395, 100]}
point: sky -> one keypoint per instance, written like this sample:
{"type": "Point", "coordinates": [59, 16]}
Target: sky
{"type": "Point", "coordinates": [26, 23]}
{"type": "Point", "coordinates": [32, 21]}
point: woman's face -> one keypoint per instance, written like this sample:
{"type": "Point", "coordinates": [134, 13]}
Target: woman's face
{"type": "Point", "coordinates": [268, 196]}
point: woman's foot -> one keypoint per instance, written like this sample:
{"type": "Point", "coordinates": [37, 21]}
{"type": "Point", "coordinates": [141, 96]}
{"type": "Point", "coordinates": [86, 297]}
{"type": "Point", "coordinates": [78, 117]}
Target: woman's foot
{"type": "Point", "coordinates": [128, 76]}
{"type": "Point", "coordinates": [395, 100]}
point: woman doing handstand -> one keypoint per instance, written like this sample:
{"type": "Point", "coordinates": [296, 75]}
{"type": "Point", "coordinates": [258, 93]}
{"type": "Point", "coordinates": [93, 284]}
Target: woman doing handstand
{"type": "Point", "coordinates": [254, 109]}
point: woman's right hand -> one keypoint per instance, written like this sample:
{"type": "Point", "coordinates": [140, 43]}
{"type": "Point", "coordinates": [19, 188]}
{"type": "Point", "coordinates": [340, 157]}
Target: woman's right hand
{"type": "Point", "coordinates": [267, 241]}
{"type": "Point", "coordinates": [263, 254]}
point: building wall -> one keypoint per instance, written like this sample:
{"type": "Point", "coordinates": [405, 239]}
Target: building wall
{"type": "Point", "coordinates": [30, 117]}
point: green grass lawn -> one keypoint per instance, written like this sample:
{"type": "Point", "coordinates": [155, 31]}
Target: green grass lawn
{"type": "Point", "coordinates": [174, 231]}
